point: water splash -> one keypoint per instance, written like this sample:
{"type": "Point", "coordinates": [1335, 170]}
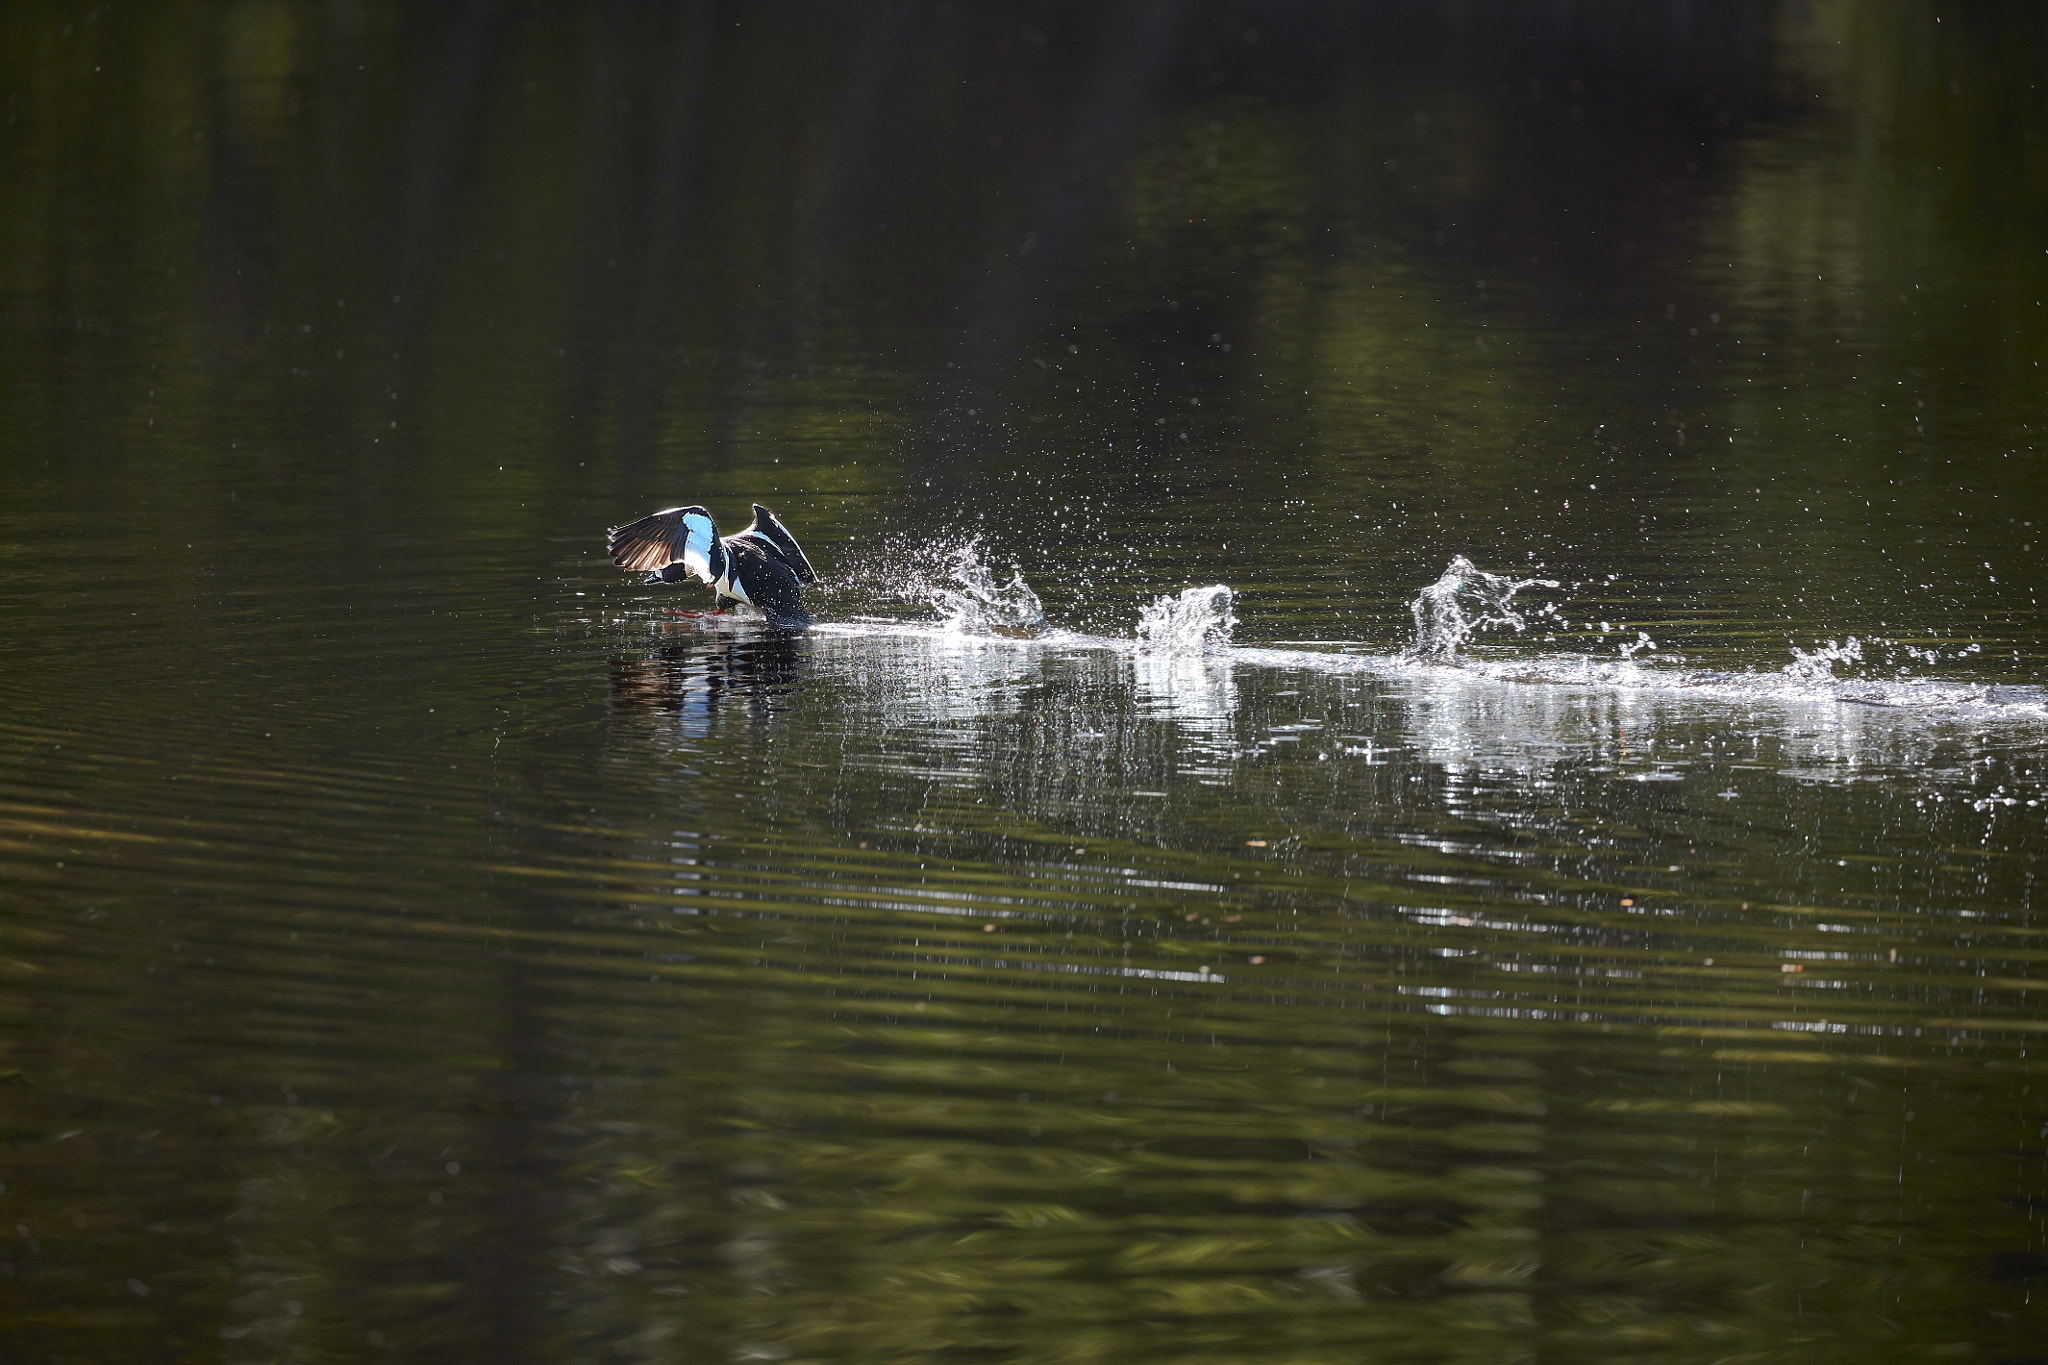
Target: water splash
{"type": "Point", "coordinates": [1935, 656]}
{"type": "Point", "coordinates": [1466, 600]}
{"type": "Point", "coordinates": [973, 603]}
{"type": "Point", "coordinates": [1198, 621]}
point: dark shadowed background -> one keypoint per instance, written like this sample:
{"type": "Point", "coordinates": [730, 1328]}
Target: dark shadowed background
{"type": "Point", "coordinates": [416, 943]}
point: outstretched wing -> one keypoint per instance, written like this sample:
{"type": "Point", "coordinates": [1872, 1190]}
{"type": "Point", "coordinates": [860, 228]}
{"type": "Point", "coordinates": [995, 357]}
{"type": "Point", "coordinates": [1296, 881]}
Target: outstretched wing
{"type": "Point", "coordinates": [678, 534]}
{"type": "Point", "coordinates": [774, 537]}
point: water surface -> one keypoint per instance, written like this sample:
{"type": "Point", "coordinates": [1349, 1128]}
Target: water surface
{"type": "Point", "coordinates": [420, 942]}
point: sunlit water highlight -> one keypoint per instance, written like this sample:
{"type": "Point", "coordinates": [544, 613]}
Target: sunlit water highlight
{"type": "Point", "coordinates": [1465, 607]}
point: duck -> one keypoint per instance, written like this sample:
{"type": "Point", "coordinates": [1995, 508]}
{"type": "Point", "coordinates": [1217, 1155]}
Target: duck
{"type": "Point", "coordinates": [762, 566]}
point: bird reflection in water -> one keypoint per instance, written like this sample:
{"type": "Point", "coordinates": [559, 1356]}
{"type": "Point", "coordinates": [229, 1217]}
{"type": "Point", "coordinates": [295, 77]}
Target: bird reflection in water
{"type": "Point", "coordinates": [701, 676]}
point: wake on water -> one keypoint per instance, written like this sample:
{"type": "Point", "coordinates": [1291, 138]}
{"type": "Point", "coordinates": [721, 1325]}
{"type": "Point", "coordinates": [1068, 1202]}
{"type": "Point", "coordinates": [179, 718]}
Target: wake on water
{"type": "Point", "coordinates": [1448, 614]}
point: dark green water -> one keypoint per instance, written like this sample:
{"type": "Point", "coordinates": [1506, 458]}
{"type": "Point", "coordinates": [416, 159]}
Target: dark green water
{"type": "Point", "coordinates": [416, 944]}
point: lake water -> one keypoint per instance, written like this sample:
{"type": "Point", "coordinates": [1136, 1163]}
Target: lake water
{"type": "Point", "coordinates": [1552, 879]}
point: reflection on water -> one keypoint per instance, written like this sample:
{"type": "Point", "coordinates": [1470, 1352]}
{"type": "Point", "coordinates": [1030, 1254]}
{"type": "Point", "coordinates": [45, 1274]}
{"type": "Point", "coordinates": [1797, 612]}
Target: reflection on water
{"type": "Point", "coordinates": [1103, 938]}
{"type": "Point", "coordinates": [708, 669]}
{"type": "Point", "coordinates": [1198, 693]}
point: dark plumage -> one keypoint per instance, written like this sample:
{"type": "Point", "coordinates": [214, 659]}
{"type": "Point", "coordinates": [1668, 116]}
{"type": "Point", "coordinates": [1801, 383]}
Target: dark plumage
{"type": "Point", "coordinates": [762, 565]}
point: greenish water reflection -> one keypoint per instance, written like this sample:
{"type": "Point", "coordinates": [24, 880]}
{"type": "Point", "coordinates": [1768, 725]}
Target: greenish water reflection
{"type": "Point", "coordinates": [417, 943]}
